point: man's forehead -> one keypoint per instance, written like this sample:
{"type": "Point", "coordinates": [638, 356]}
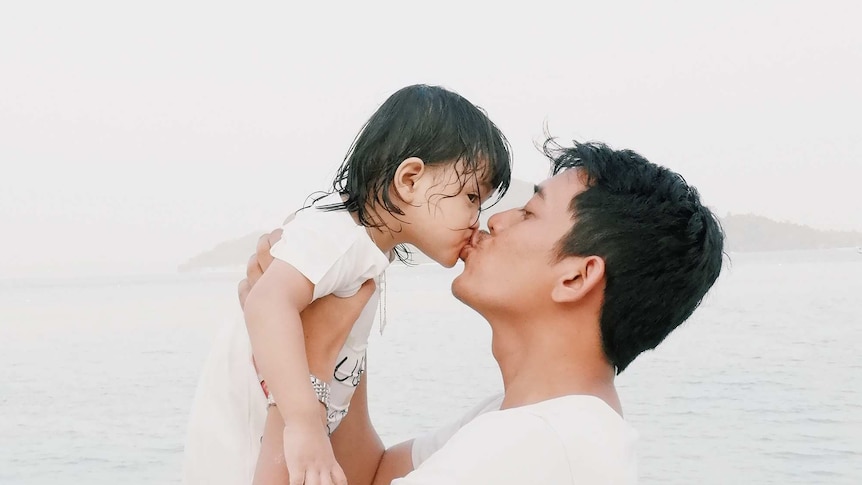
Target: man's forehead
{"type": "Point", "coordinates": [562, 187]}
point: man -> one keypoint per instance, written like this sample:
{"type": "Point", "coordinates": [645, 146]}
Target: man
{"type": "Point", "coordinates": [608, 257]}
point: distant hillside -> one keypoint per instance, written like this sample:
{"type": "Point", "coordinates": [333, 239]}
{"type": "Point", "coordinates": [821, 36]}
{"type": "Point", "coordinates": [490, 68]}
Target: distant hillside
{"type": "Point", "coordinates": [748, 232]}
{"type": "Point", "coordinates": [744, 233]}
{"type": "Point", "coordinates": [231, 253]}
{"type": "Point", "coordinates": [235, 253]}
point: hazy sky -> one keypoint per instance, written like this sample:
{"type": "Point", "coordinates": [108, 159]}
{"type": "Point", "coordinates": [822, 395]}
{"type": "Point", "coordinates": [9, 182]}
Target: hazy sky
{"type": "Point", "coordinates": [135, 136]}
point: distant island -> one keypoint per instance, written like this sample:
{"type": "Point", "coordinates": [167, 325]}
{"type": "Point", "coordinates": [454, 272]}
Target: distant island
{"type": "Point", "coordinates": [745, 233]}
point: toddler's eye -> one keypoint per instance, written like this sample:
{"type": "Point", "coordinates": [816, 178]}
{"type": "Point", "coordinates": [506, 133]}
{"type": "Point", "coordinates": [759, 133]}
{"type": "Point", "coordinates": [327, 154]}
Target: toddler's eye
{"type": "Point", "coordinates": [474, 198]}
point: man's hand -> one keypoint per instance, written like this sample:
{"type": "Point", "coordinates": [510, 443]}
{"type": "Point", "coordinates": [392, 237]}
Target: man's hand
{"type": "Point", "coordinates": [257, 264]}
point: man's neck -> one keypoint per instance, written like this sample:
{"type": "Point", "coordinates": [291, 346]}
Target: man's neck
{"type": "Point", "coordinates": [544, 359]}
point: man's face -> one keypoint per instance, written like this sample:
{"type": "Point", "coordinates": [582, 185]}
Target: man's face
{"type": "Point", "coordinates": [512, 268]}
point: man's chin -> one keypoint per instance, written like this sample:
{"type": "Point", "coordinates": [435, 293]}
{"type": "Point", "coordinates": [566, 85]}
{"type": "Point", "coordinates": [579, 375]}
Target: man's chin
{"type": "Point", "coordinates": [456, 287]}
{"type": "Point", "coordinates": [461, 289]}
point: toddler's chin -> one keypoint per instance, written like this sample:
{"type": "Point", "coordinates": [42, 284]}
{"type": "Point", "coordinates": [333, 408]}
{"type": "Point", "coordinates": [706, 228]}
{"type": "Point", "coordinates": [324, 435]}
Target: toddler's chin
{"type": "Point", "coordinates": [447, 261]}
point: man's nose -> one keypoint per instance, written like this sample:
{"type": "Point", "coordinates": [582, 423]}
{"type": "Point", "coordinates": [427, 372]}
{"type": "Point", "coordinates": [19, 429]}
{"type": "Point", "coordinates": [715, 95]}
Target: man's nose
{"type": "Point", "coordinates": [499, 220]}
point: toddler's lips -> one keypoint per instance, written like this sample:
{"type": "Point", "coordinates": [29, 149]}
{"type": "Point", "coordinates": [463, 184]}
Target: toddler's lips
{"type": "Point", "coordinates": [475, 240]}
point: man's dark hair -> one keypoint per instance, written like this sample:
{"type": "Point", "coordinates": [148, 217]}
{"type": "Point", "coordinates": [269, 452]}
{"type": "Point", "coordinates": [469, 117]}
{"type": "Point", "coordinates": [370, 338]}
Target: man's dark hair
{"type": "Point", "coordinates": [662, 247]}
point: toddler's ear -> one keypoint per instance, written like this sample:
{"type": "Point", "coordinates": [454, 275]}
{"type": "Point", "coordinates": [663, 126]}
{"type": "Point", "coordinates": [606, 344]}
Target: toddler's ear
{"type": "Point", "coordinates": [406, 177]}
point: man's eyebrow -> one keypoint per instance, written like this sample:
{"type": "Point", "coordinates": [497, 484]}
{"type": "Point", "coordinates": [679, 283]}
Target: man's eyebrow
{"type": "Point", "coordinates": [539, 191]}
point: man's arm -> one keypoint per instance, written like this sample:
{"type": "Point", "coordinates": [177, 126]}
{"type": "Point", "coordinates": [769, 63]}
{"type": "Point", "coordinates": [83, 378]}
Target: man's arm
{"type": "Point", "coordinates": [360, 451]}
{"type": "Point", "coordinates": [397, 462]}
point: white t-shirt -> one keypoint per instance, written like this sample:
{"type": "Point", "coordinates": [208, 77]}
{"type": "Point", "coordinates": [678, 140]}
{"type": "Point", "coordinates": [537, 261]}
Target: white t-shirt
{"type": "Point", "coordinates": [229, 408]}
{"type": "Point", "coordinates": [330, 249]}
{"type": "Point", "coordinates": [568, 440]}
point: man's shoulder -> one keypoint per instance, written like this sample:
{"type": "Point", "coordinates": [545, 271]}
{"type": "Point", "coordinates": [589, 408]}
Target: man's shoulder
{"type": "Point", "coordinates": [496, 447]}
{"type": "Point", "coordinates": [508, 428]}
{"type": "Point", "coordinates": [581, 424]}
{"type": "Point", "coordinates": [576, 410]}
{"type": "Point", "coordinates": [509, 433]}
{"type": "Point", "coordinates": [573, 437]}
{"type": "Point", "coordinates": [426, 445]}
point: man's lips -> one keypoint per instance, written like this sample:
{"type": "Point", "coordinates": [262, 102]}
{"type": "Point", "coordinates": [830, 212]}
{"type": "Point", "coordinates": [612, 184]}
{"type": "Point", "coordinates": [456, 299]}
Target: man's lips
{"type": "Point", "coordinates": [473, 244]}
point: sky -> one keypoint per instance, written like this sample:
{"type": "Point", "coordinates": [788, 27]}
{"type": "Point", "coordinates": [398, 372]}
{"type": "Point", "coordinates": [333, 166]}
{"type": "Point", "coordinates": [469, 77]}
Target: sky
{"type": "Point", "coordinates": [136, 135]}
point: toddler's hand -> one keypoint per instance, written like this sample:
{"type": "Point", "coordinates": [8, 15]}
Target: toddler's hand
{"type": "Point", "coordinates": [308, 455]}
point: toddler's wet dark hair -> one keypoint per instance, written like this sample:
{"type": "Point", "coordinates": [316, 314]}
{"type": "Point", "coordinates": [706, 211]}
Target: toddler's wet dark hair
{"type": "Point", "coordinates": [433, 124]}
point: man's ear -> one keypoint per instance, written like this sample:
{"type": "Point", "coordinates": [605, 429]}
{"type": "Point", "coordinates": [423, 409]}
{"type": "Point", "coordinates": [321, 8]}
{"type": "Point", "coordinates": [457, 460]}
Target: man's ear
{"type": "Point", "coordinates": [406, 178]}
{"type": "Point", "coordinates": [578, 277]}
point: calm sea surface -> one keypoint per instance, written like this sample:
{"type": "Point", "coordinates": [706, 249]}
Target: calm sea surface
{"type": "Point", "coordinates": [762, 385]}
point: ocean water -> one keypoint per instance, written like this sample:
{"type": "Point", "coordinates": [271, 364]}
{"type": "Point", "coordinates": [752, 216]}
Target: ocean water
{"type": "Point", "coordinates": [762, 385]}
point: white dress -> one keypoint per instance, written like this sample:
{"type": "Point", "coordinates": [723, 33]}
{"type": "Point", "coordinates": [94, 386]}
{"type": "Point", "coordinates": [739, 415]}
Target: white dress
{"type": "Point", "coordinates": [229, 410]}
